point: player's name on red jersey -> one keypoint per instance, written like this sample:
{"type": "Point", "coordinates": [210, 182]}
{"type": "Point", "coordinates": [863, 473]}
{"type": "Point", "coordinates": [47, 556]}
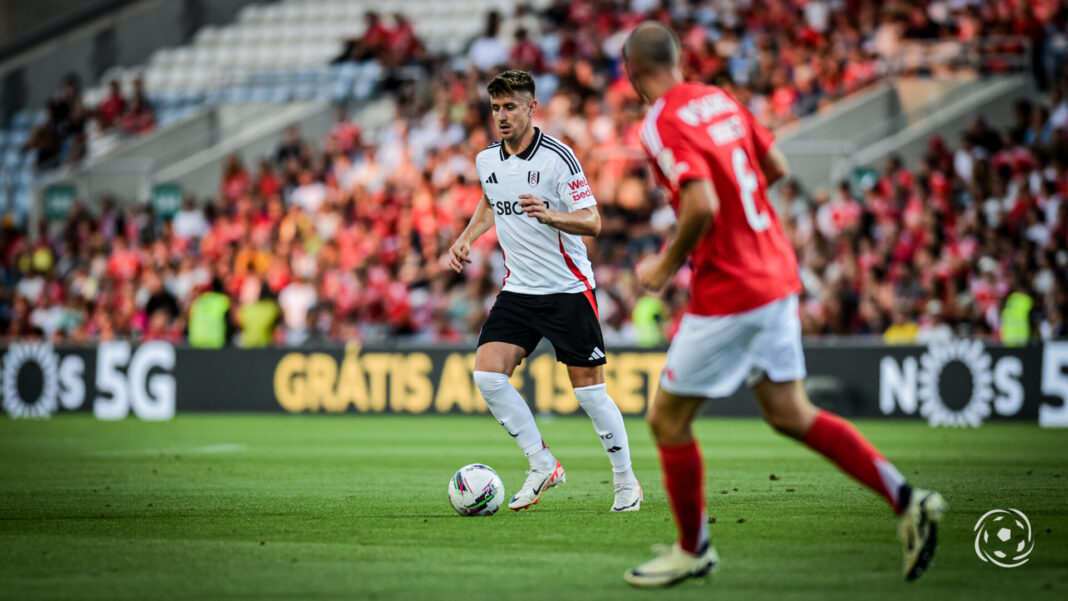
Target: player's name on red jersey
{"type": "Point", "coordinates": [744, 260]}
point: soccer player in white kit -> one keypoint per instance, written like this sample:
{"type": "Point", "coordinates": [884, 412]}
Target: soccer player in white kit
{"type": "Point", "coordinates": [536, 194]}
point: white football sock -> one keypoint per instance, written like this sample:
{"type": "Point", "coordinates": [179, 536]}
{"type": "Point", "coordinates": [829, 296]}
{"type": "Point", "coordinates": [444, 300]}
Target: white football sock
{"type": "Point", "coordinates": [608, 422]}
{"type": "Point", "coordinates": [512, 412]}
{"type": "Point", "coordinates": [542, 458]}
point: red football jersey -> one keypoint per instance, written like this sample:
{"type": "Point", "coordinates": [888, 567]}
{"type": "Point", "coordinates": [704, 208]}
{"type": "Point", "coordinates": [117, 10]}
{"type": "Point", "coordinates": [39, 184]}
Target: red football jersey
{"type": "Point", "coordinates": [743, 261]}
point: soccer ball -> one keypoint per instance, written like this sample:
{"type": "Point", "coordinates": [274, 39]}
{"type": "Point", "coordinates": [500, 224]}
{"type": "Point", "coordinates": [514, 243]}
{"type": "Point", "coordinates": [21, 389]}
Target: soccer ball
{"type": "Point", "coordinates": [1005, 538]}
{"type": "Point", "coordinates": [476, 490]}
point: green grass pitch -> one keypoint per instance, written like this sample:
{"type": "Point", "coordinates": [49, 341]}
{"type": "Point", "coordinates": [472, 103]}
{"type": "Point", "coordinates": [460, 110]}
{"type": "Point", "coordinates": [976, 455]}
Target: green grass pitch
{"type": "Point", "coordinates": [354, 507]}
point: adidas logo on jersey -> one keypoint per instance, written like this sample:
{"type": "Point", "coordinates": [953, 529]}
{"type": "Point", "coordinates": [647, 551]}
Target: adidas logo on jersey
{"type": "Point", "coordinates": [492, 179]}
{"type": "Point", "coordinates": [596, 354]}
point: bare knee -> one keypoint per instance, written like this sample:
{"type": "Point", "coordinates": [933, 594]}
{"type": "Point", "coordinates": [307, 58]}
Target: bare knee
{"type": "Point", "coordinates": [498, 357]}
{"type": "Point", "coordinates": [787, 424]}
{"type": "Point", "coordinates": [786, 407]}
{"type": "Point", "coordinates": [669, 428]}
{"type": "Point", "coordinates": [582, 377]}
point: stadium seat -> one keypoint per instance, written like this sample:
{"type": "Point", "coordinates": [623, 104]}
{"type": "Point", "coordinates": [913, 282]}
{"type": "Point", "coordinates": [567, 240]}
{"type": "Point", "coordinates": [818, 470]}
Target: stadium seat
{"type": "Point", "coordinates": [207, 36]}
{"type": "Point", "coordinates": [22, 120]}
{"type": "Point", "coordinates": [18, 137]}
{"type": "Point", "coordinates": [22, 201]}
{"type": "Point", "coordinates": [253, 13]}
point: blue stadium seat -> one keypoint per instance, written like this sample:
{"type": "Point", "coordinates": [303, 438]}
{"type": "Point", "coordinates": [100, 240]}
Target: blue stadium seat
{"type": "Point", "coordinates": [261, 94]}
{"type": "Point", "coordinates": [23, 119]}
{"type": "Point", "coordinates": [364, 87]}
{"type": "Point", "coordinates": [302, 91]}
{"type": "Point", "coordinates": [279, 94]}
{"type": "Point", "coordinates": [12, 160]}
{"type": "Point", "coordinates": [164, 103]}
{"type": "Point", "coordinates": [238, 94]}
{"type": "Point", "coordinates": [213, 96]}
{"type": "Point", "coordinates": [340, 90]}
{"type": "Point", "coordinates": [23, 200]}
{"type": "Point", "coordinates": [165, 116]}
{"type": "Point", "coordinates": [18, 138]}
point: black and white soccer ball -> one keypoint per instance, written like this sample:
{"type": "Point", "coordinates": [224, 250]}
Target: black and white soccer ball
{"type": "Point", "coordinates": [1004, 537]}
{"type": "Point", "coordinates": [476, 490]}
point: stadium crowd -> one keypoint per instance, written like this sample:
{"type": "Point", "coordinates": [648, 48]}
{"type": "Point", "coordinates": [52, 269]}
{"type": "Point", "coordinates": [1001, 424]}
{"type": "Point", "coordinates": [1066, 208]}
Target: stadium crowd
{"type": "Point", "coordinates": [341, 239]}
{"type": "Point", "coordinates": [63, 137]}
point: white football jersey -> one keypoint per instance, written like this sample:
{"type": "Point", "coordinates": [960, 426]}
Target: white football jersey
{"type": "Point", "coordinates": [540, 259]}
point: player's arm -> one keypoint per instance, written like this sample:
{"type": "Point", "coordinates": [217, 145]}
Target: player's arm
{"type": "Point", "coordinates": [584, 222]}
{"type": "Point", "coordinates": [698, 205]}
{"type": "Point", "coordinates": [480, 223]}
{"type": "Point", "coordinates": [774, 165]}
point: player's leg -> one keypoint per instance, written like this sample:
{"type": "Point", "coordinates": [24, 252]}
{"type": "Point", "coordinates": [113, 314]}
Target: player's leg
{"type": "Point", "coordinates": [507, 337]}
{"type": "Point", "coordinates": [777, 382]}
{"type": "Point", "coordinates": [707, 359]}
{"type": "Point", "coordinates": [494, 364]}
{"type": "Point", "coordinates": [670, 419]}
{"type": "Point", "coordinates": [572, 326]}
{"type": "Point", "coordinates": [788, 410]}
{"type": "Point", "coordinates": [592, 395]}
{"type": "Point", "coordinates": [780, 391]}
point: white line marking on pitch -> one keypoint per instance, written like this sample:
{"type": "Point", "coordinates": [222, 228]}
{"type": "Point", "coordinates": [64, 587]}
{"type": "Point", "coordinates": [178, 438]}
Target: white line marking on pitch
{"type": "Point", "coordinates": [220, 448]}
{"type": "Point", "coordinates": [206, 450]}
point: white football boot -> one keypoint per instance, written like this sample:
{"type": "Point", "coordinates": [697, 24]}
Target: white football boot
{"type": "Point", "coordinates": [671, 566]}
{"type": "Point", "coordinates": [538, 481]}
{"type": "Point", "coordinates": [628, 497]}
{"type": "Point", "coordinates": [918, 529]}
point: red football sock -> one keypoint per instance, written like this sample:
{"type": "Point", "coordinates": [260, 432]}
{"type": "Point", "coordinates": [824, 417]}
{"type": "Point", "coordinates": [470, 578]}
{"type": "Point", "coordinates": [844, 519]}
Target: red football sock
{"type": "Point", "coordinates": [684, 482]}
{"type": "Point", "coordinates": [839, 441]}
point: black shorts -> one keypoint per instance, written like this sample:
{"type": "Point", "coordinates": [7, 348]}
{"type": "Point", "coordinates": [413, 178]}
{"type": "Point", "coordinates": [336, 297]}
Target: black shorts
{"type": "Point", "coordinates": [568, 320]}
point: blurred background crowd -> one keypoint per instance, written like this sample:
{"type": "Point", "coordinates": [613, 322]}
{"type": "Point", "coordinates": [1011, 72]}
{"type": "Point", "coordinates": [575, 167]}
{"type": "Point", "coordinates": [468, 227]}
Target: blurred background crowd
{"type": "Point", "coordinates": [341, 239]}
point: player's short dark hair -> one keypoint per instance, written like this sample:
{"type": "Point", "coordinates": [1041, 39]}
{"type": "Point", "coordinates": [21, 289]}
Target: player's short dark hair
{"type": "Point", "coordinates": [512, 81]}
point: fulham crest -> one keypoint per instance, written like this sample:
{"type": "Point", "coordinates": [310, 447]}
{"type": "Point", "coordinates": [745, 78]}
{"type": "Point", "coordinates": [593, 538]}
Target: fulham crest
{"type": "Point", "coordinates": [532, 178]}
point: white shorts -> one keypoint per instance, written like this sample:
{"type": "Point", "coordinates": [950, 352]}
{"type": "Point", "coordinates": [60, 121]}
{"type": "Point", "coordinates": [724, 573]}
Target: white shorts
{"type": "Point", "coordinates": [712, 355]}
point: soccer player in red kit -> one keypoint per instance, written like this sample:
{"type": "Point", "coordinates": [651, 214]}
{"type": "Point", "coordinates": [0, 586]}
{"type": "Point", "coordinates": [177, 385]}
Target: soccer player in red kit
{"type": "Point", "coordinates": [742, 321]}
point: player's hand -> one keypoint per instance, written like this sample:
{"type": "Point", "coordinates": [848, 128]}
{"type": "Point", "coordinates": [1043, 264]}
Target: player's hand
{"type": "Point", "coordinates": [650, 274]}
{"type": "Point", "coordinates": [459, 254]}
{"type": "Point", "coordinates": [536, 208]}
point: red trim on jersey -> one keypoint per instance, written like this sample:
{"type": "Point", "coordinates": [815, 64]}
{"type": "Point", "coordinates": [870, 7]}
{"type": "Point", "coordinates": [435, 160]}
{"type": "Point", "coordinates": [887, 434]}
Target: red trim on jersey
{"type": "Point", "coordinates": [504, 258]}
{"type": "Point", "coordinates": [593, 303]}
{"type": "Point", "coordinates": [571, 264]}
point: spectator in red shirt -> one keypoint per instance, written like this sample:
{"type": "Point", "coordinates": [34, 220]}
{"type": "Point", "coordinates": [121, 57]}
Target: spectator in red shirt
{"type": "Point", "coordinates": [112, 108]}
{"type": "Point", "coordinates": [268, 183]}
{"type": "Point", "coordinates": [402, 42]}
{"type": "Point", "coordinates": [525, 54]}
{"type": "Point", "coordinates": [346, 133]}
{"type": "Point", "coordinates": [139, 119]}
{"type": "Point", "coordinates": [235, 181]}
{"type": "Point", "coordinates": [124, 262]}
